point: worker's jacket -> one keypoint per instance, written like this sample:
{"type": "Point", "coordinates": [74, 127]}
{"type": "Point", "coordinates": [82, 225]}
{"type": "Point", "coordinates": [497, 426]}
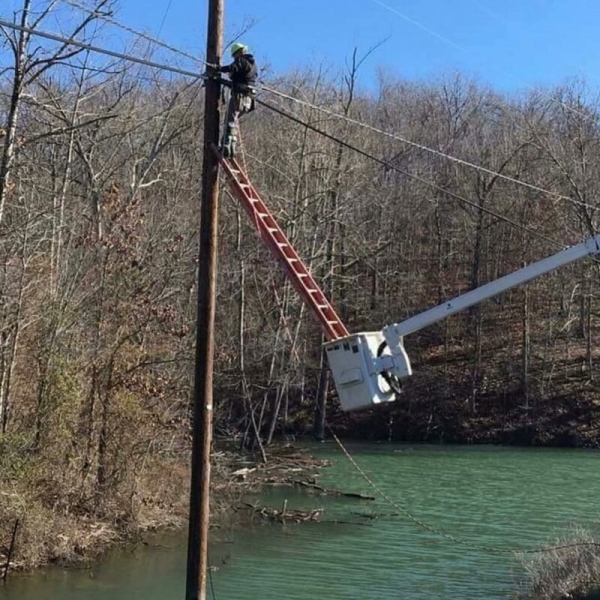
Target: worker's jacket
{"type": "Point", "coordinates": [243, 72]}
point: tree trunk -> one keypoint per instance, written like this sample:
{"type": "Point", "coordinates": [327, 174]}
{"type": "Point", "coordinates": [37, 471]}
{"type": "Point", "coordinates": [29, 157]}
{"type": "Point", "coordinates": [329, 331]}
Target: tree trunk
{"type": "Point", "coordinates": [12, 118]}
{"type": "Point", "coordinates": [242, 342]}
{"type": "Point", "coordinates": [525, 348]}
{"type": "Point", "coordinates": [321, 400]}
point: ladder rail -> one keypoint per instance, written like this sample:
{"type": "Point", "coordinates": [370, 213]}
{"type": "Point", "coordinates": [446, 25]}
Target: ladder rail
{"type": "Point", "coordinates": [275, 239]}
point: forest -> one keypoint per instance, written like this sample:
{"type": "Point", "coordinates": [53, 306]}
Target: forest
{"type": "Point", "coordinates": [100, 166]}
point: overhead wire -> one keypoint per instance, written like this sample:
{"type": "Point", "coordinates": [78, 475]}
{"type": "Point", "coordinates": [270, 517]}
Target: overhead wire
{"type": "Point", "coordinates": [92, 48]}
{"type": "Point", "coordinates": [158, 42]}
{"type": "Point", "coordinates": [153, 39]}
{"type": "Point", "coordinates": [412, 176]}
{"type": "Point", "coordinates": [423, 147]}
{"type": "Point", "coordinates": [176, 70]}
{"type": "Point", "coordinates": [279, 93]}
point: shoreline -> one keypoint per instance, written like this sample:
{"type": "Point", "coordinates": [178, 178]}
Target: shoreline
{"type": "Point", "coordinates": [77, 541]}
{"type": "Point", "coordinates": [80, 540]}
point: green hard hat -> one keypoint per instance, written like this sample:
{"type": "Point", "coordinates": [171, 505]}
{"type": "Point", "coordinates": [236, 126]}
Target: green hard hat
{"type": "Point", "coordinates": [237, 47]}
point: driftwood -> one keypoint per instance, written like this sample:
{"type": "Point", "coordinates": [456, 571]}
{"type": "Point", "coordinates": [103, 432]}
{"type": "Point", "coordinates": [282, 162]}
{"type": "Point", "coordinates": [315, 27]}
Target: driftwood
{"type": "Point", "coordinates": [340, 522]}
{"type": "Point", "coordinates": [373, 516]}
{"type": "Point", "coordinates": [315, 487]}
{"type": "Point", "coordinates": [243, 473]}
{"type": "Point", "coordinates": [296, 516]}
{"type": "Point", "coordinates": [290, 469]}
{"type": "Point", "coordinates": [329, 492]}
{"type": "Point", "coordinates": [272, 514]}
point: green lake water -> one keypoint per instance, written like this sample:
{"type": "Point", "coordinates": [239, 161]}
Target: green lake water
{"type": "Point", "coordinates": [485, 496]}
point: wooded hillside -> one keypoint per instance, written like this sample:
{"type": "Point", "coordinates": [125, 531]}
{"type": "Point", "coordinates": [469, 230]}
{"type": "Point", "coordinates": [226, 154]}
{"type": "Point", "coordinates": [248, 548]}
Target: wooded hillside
{"type": "Point", "coordinates": [99, 212]}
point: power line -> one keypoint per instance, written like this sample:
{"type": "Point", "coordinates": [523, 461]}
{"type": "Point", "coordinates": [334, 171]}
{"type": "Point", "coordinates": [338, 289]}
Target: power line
{"type": "Point", "coordinates": [153, 64]}
{"type": "Point", "coordinates": [388, 165]}
{"type": "Point", "coordinates": [273, 91]}
{"type": "Point", "coordinates": [72, 42]}
{"type": "Point", "coordinates": [154, 40]}
{"type": "Point", "coordinates": [423, 147]}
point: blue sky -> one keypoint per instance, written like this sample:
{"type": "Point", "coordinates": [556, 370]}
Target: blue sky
{"type": "Point", "coordinates": [510, 44]}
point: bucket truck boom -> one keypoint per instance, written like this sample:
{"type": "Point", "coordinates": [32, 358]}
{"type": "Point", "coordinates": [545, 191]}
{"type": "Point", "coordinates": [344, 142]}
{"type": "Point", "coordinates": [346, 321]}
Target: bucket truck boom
{"type": "Point", "coordinates": [368, 367]}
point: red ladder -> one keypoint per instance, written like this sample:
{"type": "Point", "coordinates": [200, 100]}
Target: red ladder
{"type": "Point", "coordinates": [277, 242]}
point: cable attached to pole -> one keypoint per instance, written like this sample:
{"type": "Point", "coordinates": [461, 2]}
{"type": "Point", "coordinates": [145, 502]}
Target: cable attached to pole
{"type": "Point", "coordinates": [417, 178]}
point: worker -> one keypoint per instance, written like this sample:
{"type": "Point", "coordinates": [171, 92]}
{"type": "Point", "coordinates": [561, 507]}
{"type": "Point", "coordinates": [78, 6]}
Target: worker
{"type": "Point", "coordinates": [242, 72]}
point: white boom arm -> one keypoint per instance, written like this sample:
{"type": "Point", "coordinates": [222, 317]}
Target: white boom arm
{"type": "Point", "coordinates": [367, 367]}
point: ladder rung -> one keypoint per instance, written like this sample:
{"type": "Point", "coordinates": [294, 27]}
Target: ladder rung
{"type": "Point", "coordinates": [258, 210]}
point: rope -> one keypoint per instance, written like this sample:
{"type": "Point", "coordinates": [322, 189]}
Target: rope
{"type": "Point", "coordinates": [447, 536]}
{"type": "Point", "coordinates": [210, 579]}
{"type": "Point", "coordinates": [388, 165]}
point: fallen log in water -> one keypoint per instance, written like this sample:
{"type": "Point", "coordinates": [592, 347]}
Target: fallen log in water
{"type": "Point", "coordinates": [328, 492]}
{"type": "Point", "coordinates": [373, 516]}
{"type": "Point", "coordinates": [284, 514]}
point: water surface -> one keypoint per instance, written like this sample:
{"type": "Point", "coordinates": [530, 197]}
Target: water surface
{"type": "Point", "coordinates": [484, 496]}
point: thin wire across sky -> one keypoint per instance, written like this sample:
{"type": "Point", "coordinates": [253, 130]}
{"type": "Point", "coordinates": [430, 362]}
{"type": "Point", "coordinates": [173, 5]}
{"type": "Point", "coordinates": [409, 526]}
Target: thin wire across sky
{"type": "Point", "coordinates": [264, 88]}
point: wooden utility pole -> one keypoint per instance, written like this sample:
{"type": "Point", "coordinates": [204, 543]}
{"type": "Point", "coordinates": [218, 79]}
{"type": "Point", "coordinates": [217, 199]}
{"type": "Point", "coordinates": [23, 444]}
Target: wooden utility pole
{"type": "Point", "coordinates": [197, 562]}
